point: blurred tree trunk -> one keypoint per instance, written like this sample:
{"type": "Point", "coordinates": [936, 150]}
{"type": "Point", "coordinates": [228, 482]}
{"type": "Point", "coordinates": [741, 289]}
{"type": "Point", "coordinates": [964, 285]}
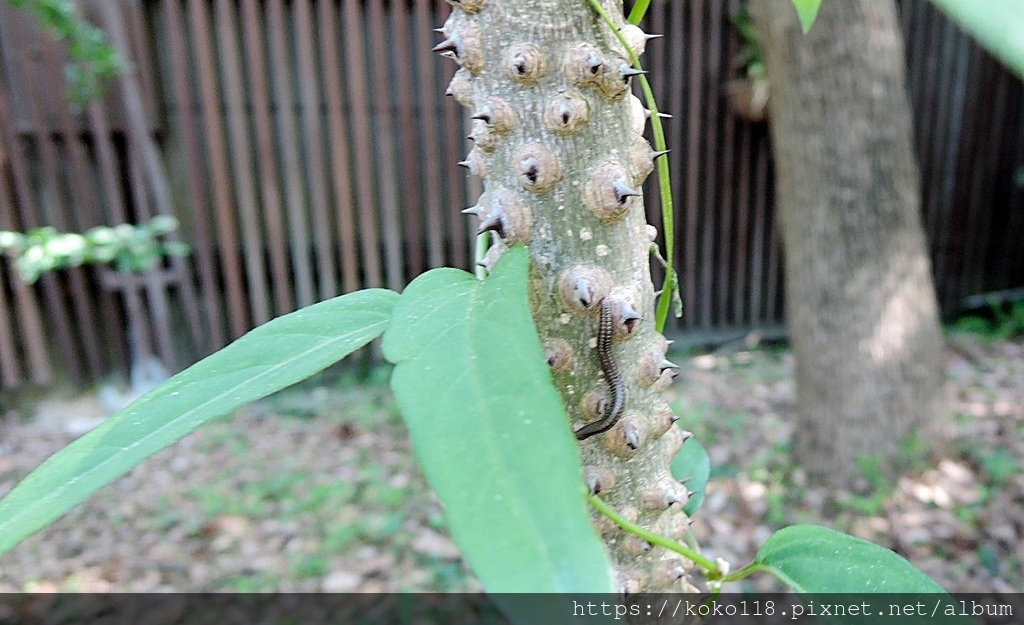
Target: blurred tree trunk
{"type": "Point", "coordinates": [862, 307]}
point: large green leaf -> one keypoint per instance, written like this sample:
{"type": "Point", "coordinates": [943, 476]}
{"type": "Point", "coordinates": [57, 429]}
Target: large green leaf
{"type": "Point", "coordinates": [271, 357]}
{"type": "Point", "coordinates": [997, 24]}
{"type": "Point", "coordinates": [815, 561]}
{"type": "Point", "coordinates": [490, 431]}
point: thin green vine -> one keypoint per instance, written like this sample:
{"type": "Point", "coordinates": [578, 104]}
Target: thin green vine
{"type": "Point", "coordinates": [483, 241]}
{"type": "Point", "coordinates": [711, 568]}
{"type": "Point", "coordinates": [670, 287]}
{"type": "Point", "coordinates": [636, 14]}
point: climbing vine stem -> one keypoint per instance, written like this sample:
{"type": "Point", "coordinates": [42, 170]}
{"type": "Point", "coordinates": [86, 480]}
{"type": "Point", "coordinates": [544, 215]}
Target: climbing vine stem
{"type": "Point", "coordinates": [669, 290]}
{"type": "Point", "coordinates": [483, 241]}
{"type": "Point", "coordinates": [636, 14]}
{"type": "Point", "coordinates": [710, 567]}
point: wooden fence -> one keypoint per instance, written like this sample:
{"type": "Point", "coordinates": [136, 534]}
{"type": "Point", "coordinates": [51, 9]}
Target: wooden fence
{"type": "Point", "coordinates": [307, 150]}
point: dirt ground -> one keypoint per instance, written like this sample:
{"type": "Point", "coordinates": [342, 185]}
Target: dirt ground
{"type": "Point", "coordinates": [316, 489]}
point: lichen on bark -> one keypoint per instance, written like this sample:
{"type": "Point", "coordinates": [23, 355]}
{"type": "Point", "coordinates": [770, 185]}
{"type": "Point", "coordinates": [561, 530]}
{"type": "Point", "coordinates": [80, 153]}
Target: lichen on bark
{"type": "Point", "coordinates": [558, 143]}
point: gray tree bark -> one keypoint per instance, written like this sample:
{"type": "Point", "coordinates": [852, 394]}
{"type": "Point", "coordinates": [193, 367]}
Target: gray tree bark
{"type": "Point", "coordinates": [557, 142]}
{"type": "Point", "coordinates": [862, 308]}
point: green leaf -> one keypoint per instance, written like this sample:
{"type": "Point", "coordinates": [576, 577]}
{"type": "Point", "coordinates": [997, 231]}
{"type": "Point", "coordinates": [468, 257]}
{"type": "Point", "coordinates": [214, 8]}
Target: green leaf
{"type": "Point", "coordinates": [271, 357]}
{"type": "Point", "coordinates": [996, 24]}
{"type": "Point", "coordinates": [491, 433]}
{"type": "Point", "coordinates": [815, 560]}
{"type": "Point", "coordinates": [807, 11]}
{"type": "Point", "coordinates": [692, 466]}
{"type": "Point", "coordinates": [811, 558]}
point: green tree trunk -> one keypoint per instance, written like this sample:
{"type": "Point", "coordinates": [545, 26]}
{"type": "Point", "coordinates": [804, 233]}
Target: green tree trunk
{"type": "Point", "coordinates": [557, 142]}
{"type": "Point", "coordinates": [862, 309]}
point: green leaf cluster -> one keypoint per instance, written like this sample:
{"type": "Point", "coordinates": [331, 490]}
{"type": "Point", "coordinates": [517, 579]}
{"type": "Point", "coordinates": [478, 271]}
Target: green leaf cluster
{"type": "Point", "coordinates": [750, 56]}
{"type": "Point", "coordinates": [92, 59]}
{"type": "Point", "coordinates": [132, 248]}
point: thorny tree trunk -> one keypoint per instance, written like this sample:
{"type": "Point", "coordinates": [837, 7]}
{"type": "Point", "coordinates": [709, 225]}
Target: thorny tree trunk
{"type": "Point", "coordinates": [861, 301]}
{"type": "Point", "coordinates": [557, 141]}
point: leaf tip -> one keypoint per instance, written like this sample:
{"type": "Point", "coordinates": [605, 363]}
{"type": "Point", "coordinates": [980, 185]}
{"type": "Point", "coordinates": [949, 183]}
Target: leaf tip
{"type": "Point", "coordinates": [807, 12]}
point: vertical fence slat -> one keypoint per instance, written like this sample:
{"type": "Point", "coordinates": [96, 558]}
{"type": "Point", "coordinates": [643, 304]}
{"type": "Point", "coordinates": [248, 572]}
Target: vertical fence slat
{"type": "Point", "coordinates": [355, 81]}
{"type": "Point", "coordinates": [1006, 167]}
{"type": "Point", "coordinates": [294, 194]}
{"type": "Point", "coordinates": [411, 195]}
{"type": "Point", "coordinates": [310, 103]}
{"type": "Point", "coordinates": [709, 208]}
{"type": "Point", "coordinates": [458, 224]}
{"type": "Point", "coordinates": [137, 45]}
{"type": "Point", "coordinates": [1014, 234]}
{"type": "Point", "coordinates": [928, 35]}
{"type": "Point", "coordinates": [940, 183]}
{"type": "Point", "coordinates": [1015, 244]}
{"type": "Point", "coordinates": [918, 42]}
{"type": "Point", "coordinates": [157, 308]}
{"type": "Point", "coordinates": [955, 253]}
{"type": "Point", "coordinates": [223, 209]}
{"type": "Point", "coordinates": [694, 154]}
{"type": "Point", "coordinates": [269, 187]}
{"type": "Point", "coordinates": [988, 145]}
{"type": "Point", "coordinates": [432, 155]}
{"type": "Point", "coordinates": [744, 208]}
{"type": "Point", "coordinates": [339, 150]}
{"type": "Point", "coordinates": [726, 234]}
{"type": "Point", "coordinates": [83, 202]}
{"type": "Point", "coordinates": [774, 281]}
{"type": "Point", "coordinates": [295, 205]}
{"type": "Point", "coordinates": [241, 160]}
{"type": "Point", "coordinates": [384, 142]}
{"type": "Point", "coordinates": [966, 61]}
{"type": "Point", "coordinates": [196, 190]}
{"type": "Point", "coordinates": [10, 371]}
{"type": "Point", "coordinates": [726, 239]}
{"type": "Point", "coordinates": [757, 264]}
{"type": "Point", "coordinates": [931, 157]}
